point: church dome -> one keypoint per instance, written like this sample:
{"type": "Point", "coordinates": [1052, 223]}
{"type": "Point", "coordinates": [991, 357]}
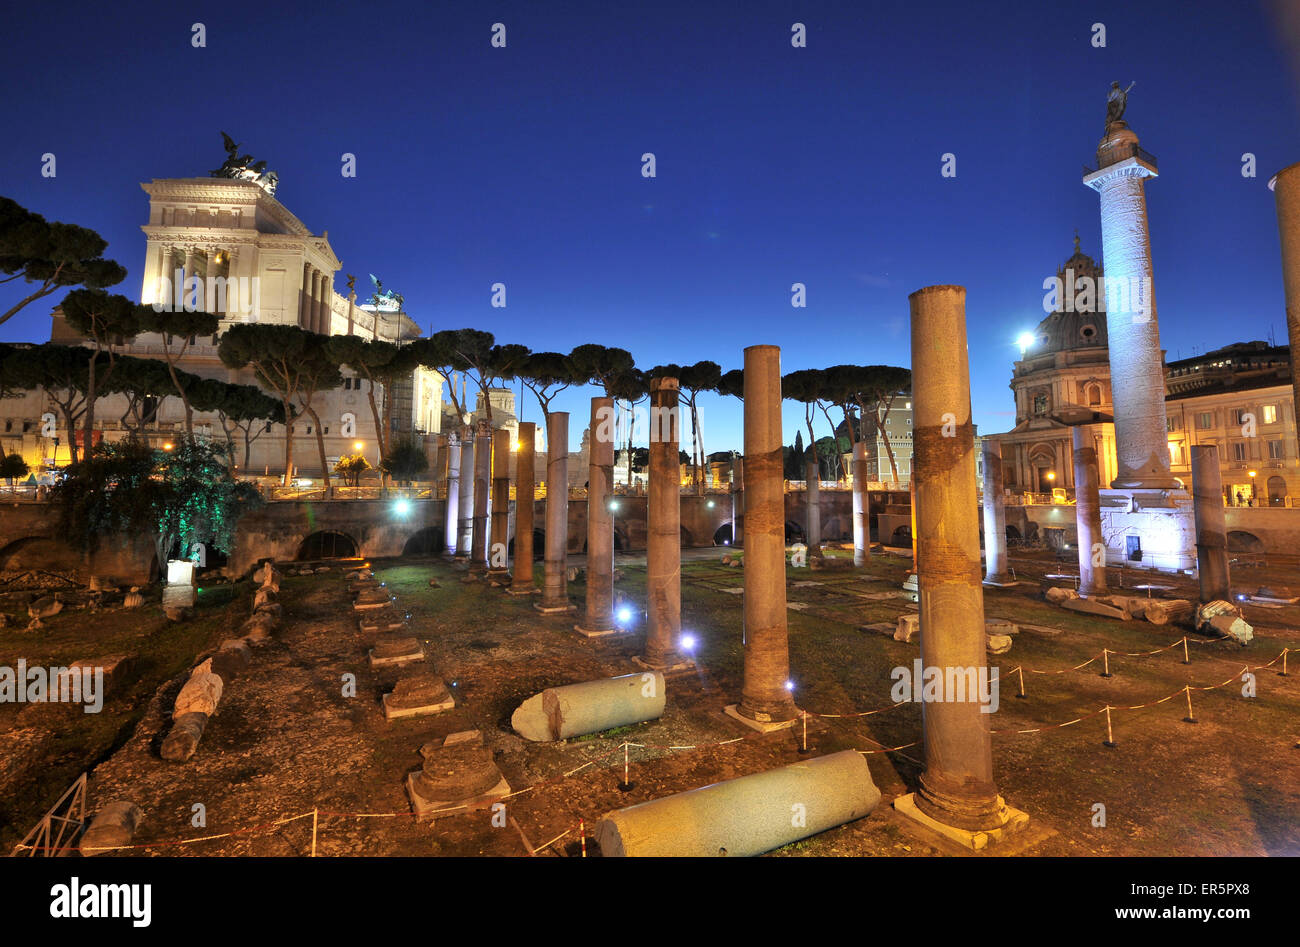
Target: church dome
{"type": "Point", "coordinates": [1068, 328]}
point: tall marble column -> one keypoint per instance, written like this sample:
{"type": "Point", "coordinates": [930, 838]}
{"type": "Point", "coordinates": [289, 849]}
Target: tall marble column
{"type": "Point", "coordinates": [482, 485]}
{"type": "Point", "coordinates": [664, 529]}
{"type": "Point", "coordinates": [188, 296]}
{"type": "Point", "coordinates": [1136, 363]}
{"type": "Point", "coordinates": [995, 518]}
{"type": "Point", "coordinates": [812, 499]}
{"type": "Point", "coordinates": [452, 509]}
{"type": "Point", "coordinates": [465, 527]}
{"type": "Point", "coordinates": [305, 298]}
{"type": "Point", "coordinates": [765, 701]}
{"type": "Point", "coordinates": [1286, 192]}
{"type": "Point", "coordinates": [599, 618]}
{"type": "Point", "coordinates": [555, 585]}
{"type": "Point", "coordinates": [861, 505]}
{"type": "Point", "coordinates": [1211, 524]}
{"type": "Point", "coordinates": [525, 490]}
{"type": "Point", "coordinates": [498, 562]}
{"type": "Point", "coordinates": [1087, 512]}
{"type": "Point", "coordinates": [956, 789]}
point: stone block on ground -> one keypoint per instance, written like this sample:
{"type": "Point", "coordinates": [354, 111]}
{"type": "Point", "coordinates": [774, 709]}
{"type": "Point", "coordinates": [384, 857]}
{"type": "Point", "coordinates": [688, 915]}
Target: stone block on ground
{"type": "Point", "coordinates": [386, 619]}
{"type": "Point", "coordinates": [183, 740]}
{"type": "Point", "coordinates": [263, 596]}
{"type": "Point", "coordinates": [997, 644]}
{"type": "Point", "coordinates": [908, 628]}
{"type": "Point", "coordinates": [45, 607]}
{"type": "Point", "coordinates": [232, 657]}
{"type": "Point", "coordinates": [201, 693]}
{"type": "Point", "coordinates": [418, 694]}
{"type": "Point", "coordinates": [395, 649]}
{"type": "Point", "coordinates": [1057, 595]}
{"type": "Point", "coordinates": [456, 778]}
{"type": "Point", "coordinates": [114, 668]}
{"type": "Point", "coordinates": [558, 713]}
{"type": "Point", "coordinates": [112, 827]}
{"type": "Point", "coordinates": [1000, 626]}
{"type": "Point", "coordinates": [1090, 606]}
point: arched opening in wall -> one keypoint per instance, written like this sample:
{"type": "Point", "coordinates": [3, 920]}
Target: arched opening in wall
{"type": "Point", "coordinates": [1013, 533]}
{"type": "Point", "coordinates": [539, 545]}
{"type": "Point", "coordinates": [793, 533]}
{"type": "Point", "coordinates": [1242, 541]}
{"type": "Point", "coordinates": [39, 552]}
{"type": "Point", "coordinates": [901, 537]}
{"type": "Point", "coordinates": [1276, 491]}
{"type": "Point", "coordinates": [619, 543]}
{"type": "Point", "coordinates": [326, 544]}
{"type": "Point", "coordinates": [430, 541]}
{"type": "Point", "coordinates": [722, 536]}
{"type": "Point", "coordinates": [1094, 396]}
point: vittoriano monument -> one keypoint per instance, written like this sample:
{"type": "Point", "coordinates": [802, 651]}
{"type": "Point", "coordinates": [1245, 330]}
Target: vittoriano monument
{"type": "Point", "coordinates": [1146, 515]}
{"type": "Point", "coordinates": [244, 168]}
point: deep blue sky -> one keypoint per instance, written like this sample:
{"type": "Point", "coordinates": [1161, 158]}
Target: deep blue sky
{"type": "Point", "coordinates": [775, 165]}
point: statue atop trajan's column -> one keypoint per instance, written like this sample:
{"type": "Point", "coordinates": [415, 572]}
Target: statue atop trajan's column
{"type": "Point", "coordinates": [1116, 102]}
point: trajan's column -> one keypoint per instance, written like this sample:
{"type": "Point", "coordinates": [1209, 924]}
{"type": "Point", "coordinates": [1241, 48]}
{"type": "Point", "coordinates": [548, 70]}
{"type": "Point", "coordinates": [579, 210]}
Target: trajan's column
{"type": "Point", "coordinates": [1147, 514]}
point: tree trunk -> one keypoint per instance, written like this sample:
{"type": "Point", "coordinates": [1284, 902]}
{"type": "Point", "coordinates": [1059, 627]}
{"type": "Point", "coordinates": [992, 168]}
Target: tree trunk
{"type": "Point", "coordinates": [320, 443]}
{"type": "Point", "coordinates": [71, 422]}
{"type": "Point", "coordinates": [288, 442]}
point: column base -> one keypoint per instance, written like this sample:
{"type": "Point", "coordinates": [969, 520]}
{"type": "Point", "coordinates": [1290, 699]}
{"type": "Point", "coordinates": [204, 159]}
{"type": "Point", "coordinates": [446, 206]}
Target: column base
{"type": "Point", "coordinates": [678, 663]}
{"type": "Point", "coordinates": [523, 591]}
{"type": "Point", "coordinates": [1000, 581]}
{"type": "Point", "coordinates": [1156, 526]}
{"type": "Point", "coordinates": [762, 726]}
{"type": "Point", "coordinates": [499, 577]}
{"type": "Point", "coordinates": [595, 632]}
{"type": "Point", "coordinates": [912, 588]}
{"type": "Point", "coordinates": [554, 609]}
{"type": "Point", "coordinates": [975, 840]}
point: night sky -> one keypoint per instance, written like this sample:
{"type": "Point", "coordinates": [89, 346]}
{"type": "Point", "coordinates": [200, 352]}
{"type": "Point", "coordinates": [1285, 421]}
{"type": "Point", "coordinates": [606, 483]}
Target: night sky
{"type": "Point", "coordinates": [775, 165]}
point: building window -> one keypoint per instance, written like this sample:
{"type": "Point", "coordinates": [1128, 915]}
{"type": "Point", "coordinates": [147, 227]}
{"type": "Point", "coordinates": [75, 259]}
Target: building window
{"type": "Point", "coordinates": [1205, 420]}
{"type": "Point", "coordinates": [1239, 450]}
{"type": "Point", "coordinates": [1276, 451]}
{"type": "Point", "coordinates": [1040, 404]}
{"type": "Point", "coordinates": [267, 429]}
{"type": "Point", "coordinates": [1094, 396]}
{"type": "Point", "coordinates": [1240, 415]}
{"type": "Point", "coordinates": [1171, 423]}
{"type": "Point", "coordinates": [1270, 414]}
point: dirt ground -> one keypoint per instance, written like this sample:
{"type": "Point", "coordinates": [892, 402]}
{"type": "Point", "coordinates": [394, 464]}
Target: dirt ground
{"type": "Point", "coordinates": [287, 740]}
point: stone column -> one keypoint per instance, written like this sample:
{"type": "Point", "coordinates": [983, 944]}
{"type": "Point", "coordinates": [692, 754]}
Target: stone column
{"type": "Point", "coordinates": [861, 505]}
{"type": "Point", "coordinates": [1211, 524]}
{"type": "Point", "coordinates": [352, 307]}
{"type": "Point", "coordinates": [1136, 364]}
{"type": "Point", "coordinates": [465, 507]}
{"type": "Point", "coordinates": [600, 521]}
{"type": "Point", "coordinates": [498, 562]}
{"type": "Point", "coordinates": [957, 787]}
{"type": "Point", "coordinates": [304, 298]}
{"type": "Point", "coordinates": [1087, 511]}
{"type": "Point", "coordinates": [812, 499]}
{"type": "Point", "coordinates": [1286, 192]}
{"type": "Point", "coordinates": [164, 281]}
{"type": "Point", "coordinates": [522, 580]}
{"type": "Point", "coordinates": [738, 501]}
{"type": "Point", "coordinates": [555, 585]}
{"type": "Point", "coordinates": [765, 701]}
{"type": "Point", "coordinates": [663, 530]}
{"type": "Point", "coordinates": [995, 518]}
{"type": "Point", "coordinates": [452, 509]}
{"type": "Point", "coordinates": [482, 484]}
{"type": "Point", "coordinates": [191, 271]}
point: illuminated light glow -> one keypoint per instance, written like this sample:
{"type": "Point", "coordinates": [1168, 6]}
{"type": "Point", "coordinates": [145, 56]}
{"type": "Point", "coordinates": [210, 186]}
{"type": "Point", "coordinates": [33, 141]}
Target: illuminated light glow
{"type": "Point", "coordinates": [625, 615]}
{"type": "Point", "coordinates": [401, 507]}
{"type": "Point", "coordinates": [789, 685]}
{"type": "Point", "coordinates": [688, 642]}
{"type": "Point", "coordinates": [613, 505]}
{"type": "Point", "coordinates": [709, 504]}
{"type": "Point", "coordinates": [169, 446]}
{"type": "Point", "coordinates": [1026, 342]}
